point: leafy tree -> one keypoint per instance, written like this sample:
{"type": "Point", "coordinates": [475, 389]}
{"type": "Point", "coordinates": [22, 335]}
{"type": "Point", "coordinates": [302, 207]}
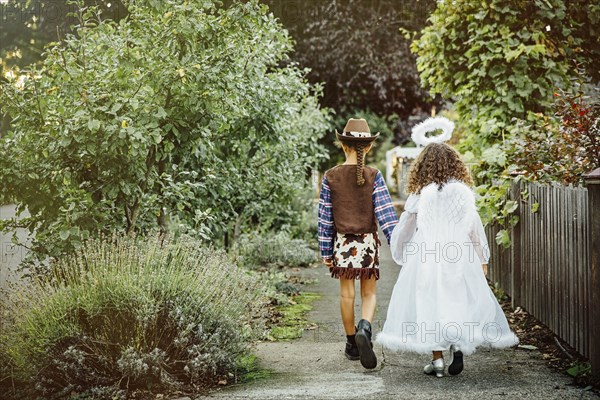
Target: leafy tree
{"type": "Point", "coordinates": [357, 49]}
{"type": "Point", "coordinates": [29, 25]}
{"type": "Point", "coordinates": [501, 61]}
{"type": "Point", "coordinates": [360, 50]}
{"type": "Point", "coordinates": [175, 117]}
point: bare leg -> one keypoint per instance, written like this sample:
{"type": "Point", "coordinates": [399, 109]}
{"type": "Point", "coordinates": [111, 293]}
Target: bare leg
{"type": "Point", "coordinates": [437, 354]}
{"type": "Point", "coordinates": [347, 304]}
{"type": "Point", "coordinates": [369, 299]}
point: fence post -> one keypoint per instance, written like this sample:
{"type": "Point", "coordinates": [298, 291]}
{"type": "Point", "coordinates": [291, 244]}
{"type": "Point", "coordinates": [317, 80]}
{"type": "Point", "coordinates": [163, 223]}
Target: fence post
{"type": "Point", "coordinates": [592, 181]}
{"type": "Point", "coordinates": [515, 247]}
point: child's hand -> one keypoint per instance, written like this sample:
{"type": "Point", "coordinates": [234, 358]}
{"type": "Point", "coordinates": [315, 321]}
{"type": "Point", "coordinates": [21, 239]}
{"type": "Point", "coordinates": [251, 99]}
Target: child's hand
{"type": "Point", "coordinates": [328, 262]}
{"type": "Point", "coordinates": [484, 267]}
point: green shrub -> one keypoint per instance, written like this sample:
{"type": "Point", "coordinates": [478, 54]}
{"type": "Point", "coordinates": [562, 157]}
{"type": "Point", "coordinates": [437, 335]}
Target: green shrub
{"type": "Point", "coordinates": [304, 217]}
{"type": "Point", "coordinates": [273, 250]}
{"type": "Point", "coordinates": [306, 225]}
{"type": "Point", "coordinates": [185, 112]}
{"type": "Point", "coordinates": [299, 220]}
{"type": "Point", "coordinates": [130, 313]}
{"type": "Point", "coordinates": [500, 62]}
{"type": "Point", "coordinates": [276, 289]}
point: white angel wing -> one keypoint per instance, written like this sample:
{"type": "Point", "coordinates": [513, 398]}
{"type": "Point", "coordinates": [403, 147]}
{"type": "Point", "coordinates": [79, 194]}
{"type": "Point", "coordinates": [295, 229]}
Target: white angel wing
{"type": "Point", "coordinates": [448, 213]}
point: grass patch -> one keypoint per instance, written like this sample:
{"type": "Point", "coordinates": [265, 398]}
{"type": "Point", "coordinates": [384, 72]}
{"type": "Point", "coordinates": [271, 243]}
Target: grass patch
{"type": "Point", "coordinates": [290, 323]}
{"type": "Point", "coordinates": [293, 317]}
{"type": "Point", "coordinates": [249, 370]}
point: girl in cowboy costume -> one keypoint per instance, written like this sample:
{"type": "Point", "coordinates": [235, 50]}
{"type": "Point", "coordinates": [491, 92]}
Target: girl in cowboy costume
{"type": "Point", "coordinates": [353, 199]}
{"type": "Point", "coordinates": [441, 300]}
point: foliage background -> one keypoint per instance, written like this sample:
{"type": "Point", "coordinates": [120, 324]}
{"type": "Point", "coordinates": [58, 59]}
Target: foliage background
{"type": "Point", "coordinates": [211, 134]}
{"type": "Point", "coordinates": [360, 51]}
{"type": "Point", "coordinates": [500, 62]}
{"type": "Point", "coordinates": [208, 118]}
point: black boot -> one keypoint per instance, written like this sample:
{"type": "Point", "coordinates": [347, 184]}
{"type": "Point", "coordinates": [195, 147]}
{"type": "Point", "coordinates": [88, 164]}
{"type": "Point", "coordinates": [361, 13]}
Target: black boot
{"type": "Point", "coordinates": [456, 365]}
{"type": "Point", "coordinates": [351, 349]}
{"type": "Point", "coordinates": [365, 347]}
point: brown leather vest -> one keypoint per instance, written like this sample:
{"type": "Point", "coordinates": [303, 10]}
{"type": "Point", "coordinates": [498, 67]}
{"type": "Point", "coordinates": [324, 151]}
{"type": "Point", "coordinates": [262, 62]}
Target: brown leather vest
{"type": "Point", "coordinates": [352, 204]}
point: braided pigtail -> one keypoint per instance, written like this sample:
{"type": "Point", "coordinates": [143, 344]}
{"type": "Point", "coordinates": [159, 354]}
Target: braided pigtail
{"type": "Point", "coordinates": [360, 163]}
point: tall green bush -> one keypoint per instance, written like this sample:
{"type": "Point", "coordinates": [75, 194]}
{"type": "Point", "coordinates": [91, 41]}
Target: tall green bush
{"type": "Point", "coordinates": [178, 114]}
{"type": "Point", "coordinates": [129, 313]}
{"type": "Point", "coordinates": [500, 63]}
{"type": "Point", "coordinates": [497, 60]}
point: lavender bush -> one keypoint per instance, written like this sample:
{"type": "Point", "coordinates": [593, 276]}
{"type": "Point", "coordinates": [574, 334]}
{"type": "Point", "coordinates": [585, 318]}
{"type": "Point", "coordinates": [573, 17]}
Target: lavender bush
{"type": "Point", "coordinates": [128, 313]}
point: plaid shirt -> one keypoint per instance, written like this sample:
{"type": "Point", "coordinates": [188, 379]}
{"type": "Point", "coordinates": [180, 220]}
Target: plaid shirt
{"type": "Point", "coordinates": [382, 205]}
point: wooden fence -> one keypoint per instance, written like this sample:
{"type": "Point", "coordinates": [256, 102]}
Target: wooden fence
{"type": "Point", "coordinates": [548, 270]}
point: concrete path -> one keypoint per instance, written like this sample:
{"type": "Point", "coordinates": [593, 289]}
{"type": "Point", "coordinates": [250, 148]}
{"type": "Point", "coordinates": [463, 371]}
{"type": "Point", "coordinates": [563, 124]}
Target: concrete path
{"type": "Point", "coordinates": [314, 367]}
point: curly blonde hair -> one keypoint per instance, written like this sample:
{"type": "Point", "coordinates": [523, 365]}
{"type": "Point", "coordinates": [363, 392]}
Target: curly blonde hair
{"type": "Point", "coordinates": [437, 163]}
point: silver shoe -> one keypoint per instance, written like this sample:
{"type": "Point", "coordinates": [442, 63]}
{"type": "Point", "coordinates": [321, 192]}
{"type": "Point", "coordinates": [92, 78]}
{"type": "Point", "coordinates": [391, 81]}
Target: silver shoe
{"type": "Point", "coordinates": [435, 367]}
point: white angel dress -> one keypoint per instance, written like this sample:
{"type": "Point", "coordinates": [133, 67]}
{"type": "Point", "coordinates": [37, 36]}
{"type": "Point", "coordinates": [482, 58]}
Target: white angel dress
{"type": "Point", "coordinates": [442, 297]}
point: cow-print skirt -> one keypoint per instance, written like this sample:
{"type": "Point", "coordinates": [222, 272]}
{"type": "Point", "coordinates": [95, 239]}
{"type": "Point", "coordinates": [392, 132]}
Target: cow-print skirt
{"type": "Point", "coordinates": [355, 256]}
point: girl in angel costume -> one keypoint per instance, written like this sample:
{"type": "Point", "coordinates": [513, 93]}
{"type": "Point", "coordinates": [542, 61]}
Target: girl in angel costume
{"type": "Point", "coordinates": [441, 300]}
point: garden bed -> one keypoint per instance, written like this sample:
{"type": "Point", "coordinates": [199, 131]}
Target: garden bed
{"type": "Point", "coordinates": [534, 335]}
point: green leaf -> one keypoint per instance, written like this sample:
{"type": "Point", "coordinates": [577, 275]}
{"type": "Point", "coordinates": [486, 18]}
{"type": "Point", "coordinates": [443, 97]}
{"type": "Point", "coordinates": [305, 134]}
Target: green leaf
{"type": "Point", "coordinates": [161, 113]}
{"type": "Point", "coordinates": [115, 108]}
{"type": "Point", "coordinates": [503, 238]}
{"type": "Point", "coordinates": [535, 207]}
{"type": "Point", "coordinates": [494, 155]}
{"type": "Point", "coordinates": [496, 70]}
{"type": "Point", "coordinates": [93, 125]}
{"type": "Point", "coordinates": [64, 235]}
{"type": "Point", "coordinates": [573, 371]}
{"type": "Point", "coordinates": [510, 206]}
{"type": "Point", "coordinates": [469, 157]}
{"type": "Point", "coordinates": [64, 141]}
{"type": "Point", "coordinates": [513, 54]}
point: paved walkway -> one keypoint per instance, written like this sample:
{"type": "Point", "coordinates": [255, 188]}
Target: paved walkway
{"type": "Point", "coordinates": [314, 367]}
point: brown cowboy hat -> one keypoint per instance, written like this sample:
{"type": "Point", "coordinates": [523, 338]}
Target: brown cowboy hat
{"type": "Point", "coordinates": [356, 131]}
